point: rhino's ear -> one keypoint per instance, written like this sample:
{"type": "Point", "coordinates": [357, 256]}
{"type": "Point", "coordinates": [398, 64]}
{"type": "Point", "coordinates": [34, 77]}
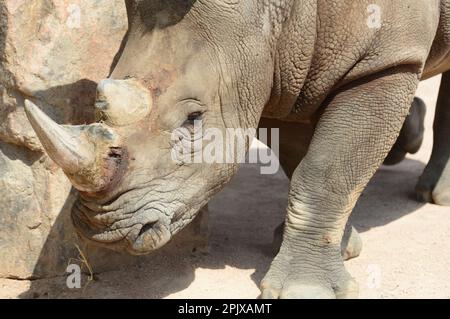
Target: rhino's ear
{"type": "Point", "coordinates": [122, 102]}
{"type": "Point", "coordinates": [81, 151]}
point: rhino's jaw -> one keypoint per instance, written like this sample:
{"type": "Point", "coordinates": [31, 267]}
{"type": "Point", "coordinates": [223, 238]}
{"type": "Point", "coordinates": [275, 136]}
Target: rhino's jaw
{"type": "Point", "coordinates": [137, 239]}
{"type": "Point", "coordinates": [135, 228]}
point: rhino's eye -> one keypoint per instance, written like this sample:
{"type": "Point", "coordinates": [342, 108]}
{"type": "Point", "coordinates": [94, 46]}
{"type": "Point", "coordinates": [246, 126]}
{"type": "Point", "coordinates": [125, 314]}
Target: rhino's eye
{"type": "Point", "coordinates": [192, 117]}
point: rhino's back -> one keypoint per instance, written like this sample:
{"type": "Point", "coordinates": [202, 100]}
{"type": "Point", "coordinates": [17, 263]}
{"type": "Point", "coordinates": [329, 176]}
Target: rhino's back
{"type": "Point", "coordinates": [439, 59]}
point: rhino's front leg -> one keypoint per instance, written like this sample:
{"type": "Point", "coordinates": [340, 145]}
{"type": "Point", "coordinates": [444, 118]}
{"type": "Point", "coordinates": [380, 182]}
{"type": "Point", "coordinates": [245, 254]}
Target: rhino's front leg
{"type": "Point", "coordinates": [354, 135]}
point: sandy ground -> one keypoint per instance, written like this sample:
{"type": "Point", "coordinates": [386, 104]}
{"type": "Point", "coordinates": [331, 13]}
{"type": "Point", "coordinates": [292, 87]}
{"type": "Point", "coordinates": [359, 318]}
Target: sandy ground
{"type": "Point", "coordinates": [406, 250]}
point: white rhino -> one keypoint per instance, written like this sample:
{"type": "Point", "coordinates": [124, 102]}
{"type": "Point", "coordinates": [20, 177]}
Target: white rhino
{"type": "Point", "coordinates": [336, 77]}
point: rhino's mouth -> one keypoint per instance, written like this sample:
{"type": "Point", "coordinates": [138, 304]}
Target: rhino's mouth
{"type": "Point", "coordinates": [137, 233]}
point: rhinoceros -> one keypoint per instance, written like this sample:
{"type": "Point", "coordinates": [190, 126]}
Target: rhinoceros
{"type": "Point", "coordinates": [337, 78]}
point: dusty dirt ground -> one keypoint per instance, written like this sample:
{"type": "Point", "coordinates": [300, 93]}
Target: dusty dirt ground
{"type": "Point", "coordinates": [406, 251]}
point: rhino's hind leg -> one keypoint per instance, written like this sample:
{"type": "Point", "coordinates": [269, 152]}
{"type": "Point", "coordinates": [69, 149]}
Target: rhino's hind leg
{"type": "Point", "coordinates": [411, 135]}
{"type": "Point", "coordinates": [351, 244]}
{"type": "Point", "coordinates": [434, 184]}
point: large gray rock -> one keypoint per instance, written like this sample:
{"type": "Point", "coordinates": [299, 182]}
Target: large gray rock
{"type": "Point", "coordinates": [54, 52]}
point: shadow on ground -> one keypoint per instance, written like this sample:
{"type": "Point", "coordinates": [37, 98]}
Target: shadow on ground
{"type": "Point", "coordinates": [242, 219]}
{"type": "Point", "coordinates": [389, 196]}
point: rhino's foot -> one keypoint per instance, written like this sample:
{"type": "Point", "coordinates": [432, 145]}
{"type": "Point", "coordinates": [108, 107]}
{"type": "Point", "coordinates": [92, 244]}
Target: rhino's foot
{"type": "Point", "coordinates": [351, 245]}
{"type": "Point", "coordinates": [434, 185]}
{"type": "Point", "coordinates": [305, 275]}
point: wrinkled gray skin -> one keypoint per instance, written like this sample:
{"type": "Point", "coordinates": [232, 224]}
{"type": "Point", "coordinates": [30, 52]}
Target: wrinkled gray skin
{"type": "Point", "coordinates": [338, 90]}
{"type": "Point", "coordinates": [411, 135]}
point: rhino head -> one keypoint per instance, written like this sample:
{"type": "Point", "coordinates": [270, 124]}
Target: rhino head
{"type": "Point", "coordinates": [184, 61]}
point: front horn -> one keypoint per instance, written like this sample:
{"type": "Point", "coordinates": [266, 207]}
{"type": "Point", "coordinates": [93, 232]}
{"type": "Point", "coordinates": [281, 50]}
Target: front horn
{"type": "Point", "coordinates": [88, 154]}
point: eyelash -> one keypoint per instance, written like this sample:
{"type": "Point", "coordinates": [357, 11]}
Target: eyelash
{"type": "Point", "coordinates": [195, 116]}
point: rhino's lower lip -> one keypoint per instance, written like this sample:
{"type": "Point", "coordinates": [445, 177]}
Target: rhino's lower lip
{"type": "Point", "coordinates": [136, 239]}
{"type": "Point", "coordinates": [151, 237]}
